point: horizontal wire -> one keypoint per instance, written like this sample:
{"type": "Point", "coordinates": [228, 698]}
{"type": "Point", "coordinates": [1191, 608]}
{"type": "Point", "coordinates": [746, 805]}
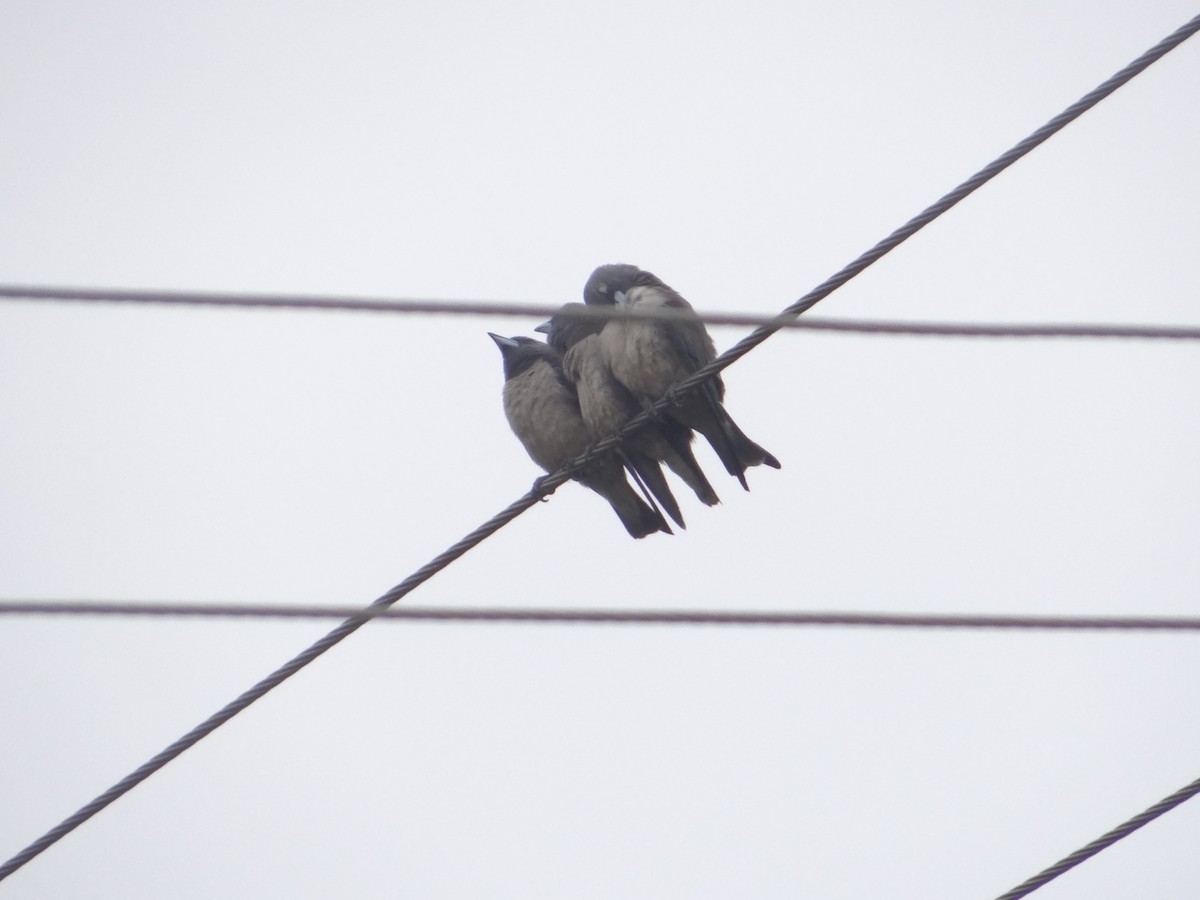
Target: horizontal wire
{"type": "Point", "coordinates": [552, 481]}
{"type": "Point", "coordinates": [1066, 330]}
{"type": "Point", "coordinates": [602, 616]}
{"type": "Point", "coordinates": [1106, 840]}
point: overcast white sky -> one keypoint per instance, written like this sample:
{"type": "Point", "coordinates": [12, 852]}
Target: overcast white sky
{"type": "Point", "coordinates": [743, 152]}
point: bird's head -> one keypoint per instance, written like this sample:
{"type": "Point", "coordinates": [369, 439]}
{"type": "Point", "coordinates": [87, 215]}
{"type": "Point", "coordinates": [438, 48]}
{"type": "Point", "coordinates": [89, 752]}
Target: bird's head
{"type": "Point", "coordinates": [569, 326]}
{"type": "Point", "coordinates": [602, 287]}
{"type": "Point", "coordinates": [520, 353]}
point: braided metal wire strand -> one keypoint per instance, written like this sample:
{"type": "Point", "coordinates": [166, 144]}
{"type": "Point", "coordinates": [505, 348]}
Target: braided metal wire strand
{"type": "Point", "coordinates": [708, 617]}
{"type": "Point", "coordinates": [301, 302]}
{"type": "Point", "coordinates": [1106, 840]}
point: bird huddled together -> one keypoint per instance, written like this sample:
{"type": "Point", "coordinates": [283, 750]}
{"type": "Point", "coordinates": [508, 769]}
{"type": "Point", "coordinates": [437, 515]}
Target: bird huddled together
{"type": "Point", "coordinates": [593, 374]}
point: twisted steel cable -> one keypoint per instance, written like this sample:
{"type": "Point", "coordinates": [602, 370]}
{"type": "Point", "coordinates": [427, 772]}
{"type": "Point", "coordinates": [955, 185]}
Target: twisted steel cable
{"type": "Point", "coordinates": [542, 311]}
{"type": "Point", "coordinates": [546, 486]}
{"type": "Point", "coordinates": [780, 618]}
{"type": "Point", "coordinates": [1106, 840]}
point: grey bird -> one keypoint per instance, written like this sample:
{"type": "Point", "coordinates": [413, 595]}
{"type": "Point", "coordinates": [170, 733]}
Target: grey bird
{"type": "Point", "coordinates": [543, 411]}
{"type": "Point", "coordinates": [650, 357]}
{"type": "Point", "coordinates": [606, 405]}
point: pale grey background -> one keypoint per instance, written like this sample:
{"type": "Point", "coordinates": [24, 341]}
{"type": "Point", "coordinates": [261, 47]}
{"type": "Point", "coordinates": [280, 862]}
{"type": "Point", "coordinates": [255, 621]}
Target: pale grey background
{"type": "Point", "coordinates": [743, 151]}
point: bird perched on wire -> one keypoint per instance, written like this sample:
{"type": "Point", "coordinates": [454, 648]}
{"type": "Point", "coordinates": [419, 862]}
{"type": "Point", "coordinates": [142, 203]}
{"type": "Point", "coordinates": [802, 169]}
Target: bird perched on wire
{"type": "Point", "coordinates": [649, 357]}
{"type": "Point", "coordinates": [606, 405]}
{"type": "Point", "coordinates": [543, 411]}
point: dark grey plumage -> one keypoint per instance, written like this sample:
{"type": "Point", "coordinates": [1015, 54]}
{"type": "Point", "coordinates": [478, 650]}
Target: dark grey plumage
{"type": "Point", "coordinates": [543, 411]}
{"type": "Point", "coordinates": [650, 357]}
{"type": "Point", "coordinates": [606, 405]}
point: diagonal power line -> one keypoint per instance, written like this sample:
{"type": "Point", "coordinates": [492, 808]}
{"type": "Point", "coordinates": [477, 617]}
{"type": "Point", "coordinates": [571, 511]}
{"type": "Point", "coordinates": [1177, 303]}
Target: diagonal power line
{"type": "Point", "coordinates": [328, 303]}
{"type": "Point", "coordinates": [536, 616]}
{"type": "Point", "coordinates": [1104, 841]}
{"type": "Point", "coordinates": [552, 481]}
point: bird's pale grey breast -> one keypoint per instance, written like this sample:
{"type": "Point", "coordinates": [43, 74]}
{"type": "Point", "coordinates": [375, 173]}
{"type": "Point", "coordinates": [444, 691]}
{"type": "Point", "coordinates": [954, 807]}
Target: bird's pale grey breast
{"type": "Point", "coordinates": [649, 357]}
{"type": "Point", "coordinates": [605, 404]}
{"type": "Point", "coordinates": [544, 412]}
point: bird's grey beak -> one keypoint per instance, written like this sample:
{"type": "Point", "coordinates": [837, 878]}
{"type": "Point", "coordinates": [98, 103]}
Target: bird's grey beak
{"type": "Point", "coordinates": [621, 298]}
{"type": "Point", "coordinates": [546, 327]}
{"type": "Point", "coordinates": [502, 342]}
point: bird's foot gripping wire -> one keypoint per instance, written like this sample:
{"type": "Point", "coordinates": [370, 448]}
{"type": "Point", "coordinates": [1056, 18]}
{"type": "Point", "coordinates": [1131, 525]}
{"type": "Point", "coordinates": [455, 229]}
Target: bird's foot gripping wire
{"type": "Point", "coordinates": [539, 489]}
{"type": "Point", "coordinates": [657, 416]}
{"type": "Point", "coordinates": [672, 395]}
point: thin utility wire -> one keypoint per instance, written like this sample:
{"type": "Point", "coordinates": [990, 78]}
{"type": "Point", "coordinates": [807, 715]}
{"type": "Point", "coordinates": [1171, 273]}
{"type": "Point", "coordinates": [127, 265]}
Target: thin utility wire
{"type": "Point", "coordinates": [552, 481]}
{"type": "Point", "coordinates": [540, 616]}
{"type": "Point", "coordinates": [1060, 330]}
{"type": "Point", "coordinates": [1106, 840]}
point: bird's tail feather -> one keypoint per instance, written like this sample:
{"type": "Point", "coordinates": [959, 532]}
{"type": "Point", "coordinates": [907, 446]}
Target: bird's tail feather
{"type": "Point", "coordinates": [682, 461]}
{"type": "Point", "coordinates": [735, 450]}
{"type": "Point", "coordinates": [638, 518]}
{"type": "Point", "coordinates": [748, 453]}
{"type": "Point", "coordinates": [648, 475]}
